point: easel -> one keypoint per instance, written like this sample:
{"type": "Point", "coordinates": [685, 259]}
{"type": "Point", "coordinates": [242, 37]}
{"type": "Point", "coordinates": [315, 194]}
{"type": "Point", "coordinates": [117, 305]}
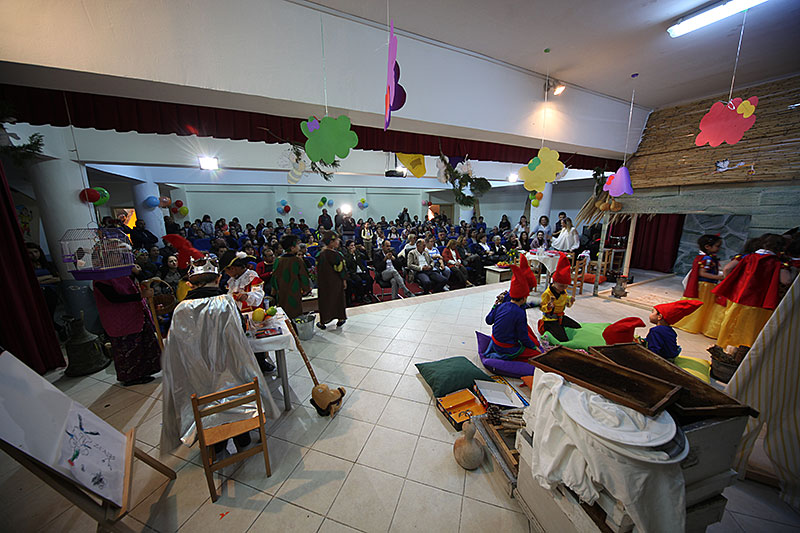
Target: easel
{"type": "Point", "coordinates": [106, 513]}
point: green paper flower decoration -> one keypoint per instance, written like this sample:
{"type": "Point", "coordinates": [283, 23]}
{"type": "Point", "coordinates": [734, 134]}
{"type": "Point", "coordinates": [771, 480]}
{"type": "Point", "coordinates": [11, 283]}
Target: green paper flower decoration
{"type": "Point", "coordinates": [328, 138]}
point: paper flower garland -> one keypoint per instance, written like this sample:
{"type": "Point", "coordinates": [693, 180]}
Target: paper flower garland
{"type": "Point", "coordinates": [619, 183]}
{"type": "Point", "coordinates": [328, 138]}
{"type": "Point", "coordinates": [542, 169]}
{"type": "Point", "coordinates": [727, 122]}
{"type": "Point", "coordinates": [415, 163]}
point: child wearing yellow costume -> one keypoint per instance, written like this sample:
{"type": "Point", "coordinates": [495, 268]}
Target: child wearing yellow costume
{"type": "Point", "coordinates": [555, 300]}
{"type": "Point", "coordinates": [704, 276]}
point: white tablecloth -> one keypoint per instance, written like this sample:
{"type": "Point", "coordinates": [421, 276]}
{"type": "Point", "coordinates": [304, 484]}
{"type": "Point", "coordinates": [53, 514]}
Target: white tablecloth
{"type": "Point", "coordinates": [283, 341]}
{"type": "Point", "coordinates": [550, 262]}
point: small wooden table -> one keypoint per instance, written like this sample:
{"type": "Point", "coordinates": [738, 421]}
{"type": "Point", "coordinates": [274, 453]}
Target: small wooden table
{"type": "Point", "coordinates": [495, 274]}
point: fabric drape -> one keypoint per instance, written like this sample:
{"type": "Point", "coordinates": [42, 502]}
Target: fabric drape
{"type": "Point", "coordinates": [655, 244]}
{"type": "Point", "coordinates": [26, 329]}
{"type": "Point", "coordinates": [46, 106]}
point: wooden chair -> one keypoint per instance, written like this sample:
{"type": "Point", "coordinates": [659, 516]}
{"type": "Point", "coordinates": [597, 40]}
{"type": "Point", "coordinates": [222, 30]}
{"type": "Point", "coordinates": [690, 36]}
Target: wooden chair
{"type": "Point", "coordinates": [160, 304]}
{"type": "Point", "coordinates": [577, 276]}
{"type": "Point", "coordinates": [600, 267]}
{"type": "Point", "coordinates": [209, 436]}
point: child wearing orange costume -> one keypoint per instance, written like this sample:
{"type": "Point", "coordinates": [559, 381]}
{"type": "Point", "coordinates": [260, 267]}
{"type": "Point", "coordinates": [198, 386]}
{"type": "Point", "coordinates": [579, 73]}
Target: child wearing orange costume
{"type": "Point", "coordinates": [704, 276]}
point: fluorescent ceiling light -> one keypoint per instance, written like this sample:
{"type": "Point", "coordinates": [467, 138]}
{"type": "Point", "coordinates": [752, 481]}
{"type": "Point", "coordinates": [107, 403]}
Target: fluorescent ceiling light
{"type": "Point", "coordinates": [208, 163]}
{"type": "Point", "coordinates": [710, 15]}
{"type": "Point", "coordinates": [559, 89]}
{"type": "Point", "coordinates": [513, 177]}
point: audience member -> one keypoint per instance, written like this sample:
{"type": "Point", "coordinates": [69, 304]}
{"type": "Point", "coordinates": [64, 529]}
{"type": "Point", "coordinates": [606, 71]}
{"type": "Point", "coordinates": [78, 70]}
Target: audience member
{"type": "Point", "coordinates": [421, 263]}
{"type": "Point", "coordinates": [387, 268]}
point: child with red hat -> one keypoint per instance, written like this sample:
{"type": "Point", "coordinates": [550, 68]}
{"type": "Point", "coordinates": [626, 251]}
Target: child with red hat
{"type": "Point", "coordinates": [662, 339]}
{"type": "Point", "coordinates": [511, 336]}
{"type": "Point", "coordinates": [555, 300]}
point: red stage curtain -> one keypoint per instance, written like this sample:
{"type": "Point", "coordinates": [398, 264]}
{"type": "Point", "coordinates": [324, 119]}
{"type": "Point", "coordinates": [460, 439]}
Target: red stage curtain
{"type": "Point", "coordinates": [655, 244]}
{"type": "Point", "coordinates": [26, 329]}
{"type": "Point", "coordinates": [46, 106]}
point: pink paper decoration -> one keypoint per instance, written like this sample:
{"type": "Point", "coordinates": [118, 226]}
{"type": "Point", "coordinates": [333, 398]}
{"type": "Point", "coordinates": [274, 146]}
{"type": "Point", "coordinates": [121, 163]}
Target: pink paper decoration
{"type": "Point", "coordinates": [727, 122]}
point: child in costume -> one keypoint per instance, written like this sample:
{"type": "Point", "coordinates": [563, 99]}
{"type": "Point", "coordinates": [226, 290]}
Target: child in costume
{"type": "Point", "coordinates": [555, 300]}
{"type": "Point", "coordinates": [703, 277]}
{"type": "Point", "coordinates": [244, 285]}
{"type": "Point", "coordinates": [512, 338]}
{"type": "Point", "coordinates": [622, 330]}
{"type": "Point", "coordinates": [753, 287]}
{"type": "Point", "coordinates": [662, 339]}
{"type": "Point", "coordinates": [206, 351]}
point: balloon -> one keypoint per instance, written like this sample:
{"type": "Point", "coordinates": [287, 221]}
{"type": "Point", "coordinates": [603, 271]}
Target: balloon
{"type": "Point", "coordinates": [151, 201]}
{"type": "Point", "coordinates": [104, 196]}
{"type": "Point", "coordinates": [535, 202]}
{"type": "Point", "coordinates": [366, 204]}
{"type": "Point", "coordinates": [164, 201]}
{"type": "Point", "coordinates": [532, 195]}
{"type": "Point", "coordinates": [323, 200]}
{"type": "Point", "coordinates": [284, 202]}
{"type": "Point", "coordinates": [330, 203]}
{"type": "Point", "coordinates": [539, 196]}
{"type": "Point", "coordinates": [174, 210]}
{"type": "Point", "coordinates": [280, 210]}
{"type": "Point", "coordinates": [178, 203]}
{"type": "Point", "coordinates": [363, 200]}
{"type": "Point", "coordinates": [320, 204]}
{"type": "Point", "coordinates": [286, 209]}
{"type": "Point", "coordinates": [183, 210]}
{"type": "Point", "coordinates": [89, 196]}
{"type": "Point", "coordinates": [424, 203]}
{"type": "Point", "coordinates": [360, 205]}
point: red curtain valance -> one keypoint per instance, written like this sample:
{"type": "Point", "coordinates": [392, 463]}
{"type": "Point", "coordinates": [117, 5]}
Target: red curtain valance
{"type": "Point", "coordinates": [47, 106]}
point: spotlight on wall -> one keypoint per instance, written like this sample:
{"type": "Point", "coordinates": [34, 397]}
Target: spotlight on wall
{"type": "Point", "coordinates": [208, 163]}
{"type": "Point", "coordinates": [512, 178]}
{"type": "Point", "coordinates": [346, 209]}
{"type": "Point", "coordinates": [710, 15]}
{"type": "Point", "coordinates": [554, 85]}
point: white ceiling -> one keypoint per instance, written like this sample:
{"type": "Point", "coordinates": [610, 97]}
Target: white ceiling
{"type": "Point", "coordinates": [598, 44]}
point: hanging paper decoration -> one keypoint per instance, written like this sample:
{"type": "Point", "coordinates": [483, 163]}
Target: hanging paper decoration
{"type": "Point", "coordinates": [542, 169]}
{"type": "Point", "coordinates": [399, 99]}
{"type": "Point", "coordinates": [727, 122]}
{"type": "Point", "coordinates": [465, 167]}
{"type": "Point", "coordinates": [151, 201]}
{"type": "Point", "coordinates": [328, 138]}
{"type": "Point", "coordinates": [441, 169]}
{"type": "Point", "coordinates": [89, 195]}
{"type": "Point", "coordinates": [298, 168]}
{"type": "Point", "coordinates": [415, 163]}
{"type": "Point", "coordinates": [619, 183]}
{"type": "Point", "coordinates": [104, 196]}
{"type": "Point", "coordinates": [392, 75]}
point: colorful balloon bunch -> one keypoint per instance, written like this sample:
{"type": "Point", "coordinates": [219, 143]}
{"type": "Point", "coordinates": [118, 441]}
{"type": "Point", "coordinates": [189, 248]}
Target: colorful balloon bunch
{"type": "Point", "coordinates": [362, 203]}
{"type": "Point", "coordinates": [179, 209]}
{"type": "Point", "coordinates": [324, 201]}
{"type": "Point", "coordinates": [535, 197]}
{"type": "Point", "coordinates": [426, 203]}
{"type": "Point", "coordinates": [94, 195]}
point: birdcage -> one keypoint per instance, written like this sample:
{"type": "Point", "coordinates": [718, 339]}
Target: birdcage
{"type": "Point", "coordinates": [96, 253]}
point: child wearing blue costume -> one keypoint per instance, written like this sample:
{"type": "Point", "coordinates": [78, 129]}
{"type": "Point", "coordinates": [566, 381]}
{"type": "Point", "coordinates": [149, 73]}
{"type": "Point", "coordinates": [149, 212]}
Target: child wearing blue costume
{"type": "Point", "coordinates": [662, 339]}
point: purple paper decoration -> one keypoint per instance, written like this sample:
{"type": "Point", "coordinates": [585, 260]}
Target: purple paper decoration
{"type": "Point", "coordinates": [390, 79]}
{"type": "Point", "coordinates": [619, 183]}
{"type": "Point", "coordinates": [313, 124]}
{"type": "Point", "coordinates": [399, 99]}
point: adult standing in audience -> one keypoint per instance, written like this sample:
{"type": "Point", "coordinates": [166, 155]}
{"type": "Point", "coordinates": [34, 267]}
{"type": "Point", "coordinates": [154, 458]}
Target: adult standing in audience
{"type": "Point", "coordinates": [207, 226]}
{"type": "Point", "coordinates": [359, 282]}
{"type": "Point", "coordinates": [324, 221]}
{"type": "Point", "coordinates": [421, 263]}
{"type": "Point", "coordinates": [505, 224]}
{"type": "Point", "coordinates": [348, 227]}
{"type": "Point", "coordinates": [141, 238]}
{"type": "Point", "coordinates": [561, 216]}
{"type": "Point", "coordinates": [332, 282]}
{"type": "Point", "coordinates": [337, 220]}
{"type": "Point", "coordinates": [170, 226]}
{"type": "Point", "coordinates": [367, 236]}
{"type": "Point", "coordinates": [386, 267]}
{"type": "Point", "coordinates": [544, 227]}
{"type": "Point", "coordinates": [404, 217]}
{"type": "Point", "coordinates": [522, 227]}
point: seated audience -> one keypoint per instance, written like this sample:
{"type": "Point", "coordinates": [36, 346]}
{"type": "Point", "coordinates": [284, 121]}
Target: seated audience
{"type": "Point", "coordinates": [421, 263]}
{"type": "Point", "coordinates": [387, 269]}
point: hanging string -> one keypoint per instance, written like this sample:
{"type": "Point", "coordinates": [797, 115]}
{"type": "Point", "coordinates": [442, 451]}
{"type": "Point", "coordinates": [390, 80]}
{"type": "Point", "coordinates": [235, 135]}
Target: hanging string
{"type": "Point", "coordinates": [628, 132]}
{"type": "Point", "coordinates": [546, 91]}
{"type": "Point", "coordinates": [324, 72]}
{"type": "Point", "coordinates": [84, 176]}
{"type": "Point", "coordinates": [738, 49]}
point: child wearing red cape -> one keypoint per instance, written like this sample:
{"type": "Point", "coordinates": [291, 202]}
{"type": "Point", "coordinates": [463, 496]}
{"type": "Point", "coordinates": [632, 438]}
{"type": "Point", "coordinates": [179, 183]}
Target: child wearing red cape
{"type": "Point", "coordinates": [703, 277]}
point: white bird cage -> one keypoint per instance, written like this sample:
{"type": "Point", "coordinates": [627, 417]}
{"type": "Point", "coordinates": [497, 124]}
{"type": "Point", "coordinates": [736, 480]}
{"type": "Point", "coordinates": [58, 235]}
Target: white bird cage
{"type": "Point", "coordinates": [97, 253]}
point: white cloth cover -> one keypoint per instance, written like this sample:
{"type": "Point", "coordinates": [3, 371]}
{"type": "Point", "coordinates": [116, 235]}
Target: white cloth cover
{"type": "Point", "coordinates": [206, 351]}
{"type": "Point", "coordinates": [567, 240]}
{"type": "Point", "coordinates": [564, 452]}
{"type": "Point", "coordinates": [255, 294]}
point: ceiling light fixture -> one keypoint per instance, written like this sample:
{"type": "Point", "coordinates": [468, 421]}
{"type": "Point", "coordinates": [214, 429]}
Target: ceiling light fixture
{"type": "Point", "coordinates": [347, 209]}
{"type": "Point", "coordinates": [513, 177]}
{"type": "Point", "coordinates": [554, 85]}
{"type": "Point", "coordinates": [710, 15]}
{"type": "Point", "coordinates": [208, 163]}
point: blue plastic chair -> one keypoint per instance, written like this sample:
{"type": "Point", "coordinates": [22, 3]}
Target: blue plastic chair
{"type": "Point", "coordinates": [203, 245]}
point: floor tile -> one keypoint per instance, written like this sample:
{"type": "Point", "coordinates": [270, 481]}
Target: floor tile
{"type": "Point", "coordinates": [280, 515]}
{"type": "Point", "coordinates": [105, 399]}
{"type": "Point", "coordinates": [149, 431]}
{"type": "Point", "coordinates": [135, 413]}
{"type": "Point", "coordinates": [367, 500]}
{"type": "Point", "coordinates": [402, 347]}
{"type": "Point", "coordinates": [28, 503]}
{"type": "Point", "coordinates": [363, 357]}
{"type": "Point", "coordinates": [329, 526]}
{"type": "Point", "coordinates": [727, 525]}
{"type": "Point", "coordinates": [437, 337]}
{"type": "Point", "coordinates": [413, 388]}
{"type": "Point", "coordinates": [375, 343]}
{"type": "Point", "coordinates": [315, 482]}
{"type": "Point", "coordinates": [302, 426]}
{"type": "Point", "coordinates": [235, 511]}
{"type": "Point", "coordinates": [487, 484]}
{"type": "Point", "coordinates": [385, 331]}
{"type": "Point", "coordinates": [757, 525]}
{"type": "Point", "coordinates": [335, 352]}
{"type": "Point", "coordinates": [348, 376]}
{"type": "Point", "coordinates": [363, 405]}
{"type": "Point", "coordinates": [424, 508]}
{"type": "Point", "coordinates": [392, 362]}
{"type": "Point", "coordinates": [379, 381]}
{"type": "Point", "coordinates": [433, 464]}
{"type": "Point", "coordinates": [388, 450]}
{"type": "Point", "coordinates": [411, 369]}
{"type": "Point", "coordinates": [344, 437]}
{"type": "Point", "coordinates": [283, 458]}
{"type": "Point", "coordinates": [754, 499]}
{"type": "Point", "coordinates": [437, 427]}
{"type": "Point", "coordinates": [403, 415]}
{"type": "Point", "coordinates": [416, 324]}
{"type": "Point", "coordinates": [413, 335]}
{"type": "Point", "coordinates": [430, 352]}
{"type": "Point", "coordinates": [479, 517]}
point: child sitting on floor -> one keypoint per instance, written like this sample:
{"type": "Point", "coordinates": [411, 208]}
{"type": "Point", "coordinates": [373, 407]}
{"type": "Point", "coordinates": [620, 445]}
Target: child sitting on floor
{"type": "Point", "coordinates": [511, 336]}
{"type": "Point", "coordinates": [555, 300]}
{"type": "Point", "coordinates": [703, 277]}
{"type": "Point", "coordinates": [662, 339]}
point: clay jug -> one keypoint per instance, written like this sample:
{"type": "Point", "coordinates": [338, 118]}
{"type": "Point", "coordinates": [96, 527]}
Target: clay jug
{"type": "Point", "coordinates": [468, 452]}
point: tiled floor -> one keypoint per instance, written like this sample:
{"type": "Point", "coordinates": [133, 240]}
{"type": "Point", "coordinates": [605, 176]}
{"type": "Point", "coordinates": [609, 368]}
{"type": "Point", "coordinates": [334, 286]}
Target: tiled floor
{"type": "Point", "coordinates": [384, 464]}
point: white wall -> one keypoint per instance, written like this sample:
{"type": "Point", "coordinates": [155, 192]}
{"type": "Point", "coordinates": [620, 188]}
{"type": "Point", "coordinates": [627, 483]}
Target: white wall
{"type": "Point", "coordinates": [569, 196]}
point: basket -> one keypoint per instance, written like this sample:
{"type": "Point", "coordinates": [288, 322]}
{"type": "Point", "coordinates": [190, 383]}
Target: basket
{"type": "Point", "coordinates": [305, 326]}
{"type": "Point", "coordinates": [722, 370]}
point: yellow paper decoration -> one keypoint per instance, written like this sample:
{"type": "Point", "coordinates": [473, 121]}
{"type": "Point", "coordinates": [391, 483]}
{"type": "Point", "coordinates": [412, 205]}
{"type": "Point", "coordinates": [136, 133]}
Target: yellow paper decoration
{"type": "Point", "coordinates": [413, 162]}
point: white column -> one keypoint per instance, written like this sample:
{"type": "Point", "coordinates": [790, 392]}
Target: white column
{"type": "Point", "coordinates": [152, 216]}
{"type": "Point", "coordinates": [544, 206]}
{"type": "Point", "coordinates": [57, 184]}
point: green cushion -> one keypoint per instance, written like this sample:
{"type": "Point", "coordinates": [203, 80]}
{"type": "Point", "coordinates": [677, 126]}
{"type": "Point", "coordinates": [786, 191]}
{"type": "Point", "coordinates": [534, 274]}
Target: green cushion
{"type": "Point", "coordinates": [451, 374]}
{"type": "Point", "coordinates": [589, 334]}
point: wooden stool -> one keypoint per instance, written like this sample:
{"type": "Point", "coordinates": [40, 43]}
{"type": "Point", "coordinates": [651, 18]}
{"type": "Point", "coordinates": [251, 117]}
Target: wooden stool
{"type": "Point", "coordinates": [212, 435]}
